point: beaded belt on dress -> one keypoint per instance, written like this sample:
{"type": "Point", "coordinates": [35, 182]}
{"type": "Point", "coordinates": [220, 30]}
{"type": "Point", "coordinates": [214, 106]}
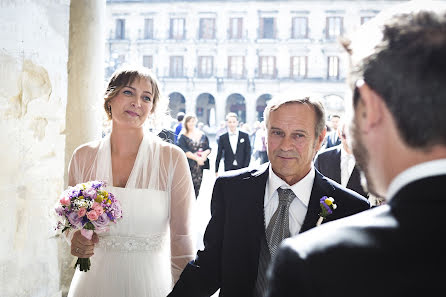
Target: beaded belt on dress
{"type": "Point", "coordinates": [151, 243]}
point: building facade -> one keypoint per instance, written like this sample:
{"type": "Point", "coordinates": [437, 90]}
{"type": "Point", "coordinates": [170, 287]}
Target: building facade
{"type": "Point", "coordinates": [215, 57]}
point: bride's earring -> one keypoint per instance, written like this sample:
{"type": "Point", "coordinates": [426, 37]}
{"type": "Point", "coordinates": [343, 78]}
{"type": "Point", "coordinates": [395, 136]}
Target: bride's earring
{"type": "Point", "coordinates": [109, 110]}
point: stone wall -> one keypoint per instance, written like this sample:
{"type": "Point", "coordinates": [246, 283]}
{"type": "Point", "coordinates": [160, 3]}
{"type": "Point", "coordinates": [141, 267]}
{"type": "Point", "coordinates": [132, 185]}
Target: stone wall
{"type": "Point", "coordinates": [33, 98]}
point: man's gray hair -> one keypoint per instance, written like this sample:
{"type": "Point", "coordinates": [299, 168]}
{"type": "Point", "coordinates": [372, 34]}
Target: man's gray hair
{"type": "Point", "coordinates": [317, 106]}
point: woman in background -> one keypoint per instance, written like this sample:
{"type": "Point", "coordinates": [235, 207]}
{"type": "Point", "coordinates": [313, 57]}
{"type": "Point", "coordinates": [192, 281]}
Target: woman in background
{"type": "Point", "coordinates": [196, 146]}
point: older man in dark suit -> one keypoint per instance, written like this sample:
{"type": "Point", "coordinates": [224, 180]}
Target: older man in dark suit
{"type": "Point", "coordinates": [253, 210]}
{"type": "Point", "coordinates": [399, 141]}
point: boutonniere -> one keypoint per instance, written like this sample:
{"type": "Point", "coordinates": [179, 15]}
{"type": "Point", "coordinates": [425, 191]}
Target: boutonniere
{"type": "Point", "coordinates": [242, 140]}
{"type": "Point", "coordinates": [327, 207]}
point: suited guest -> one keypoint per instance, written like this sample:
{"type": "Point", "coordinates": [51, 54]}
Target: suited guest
{"type": "Point", "coordinates": [283, 194]}
{"type": "Point", "coordinates": [399, 141]}
{"type": "Point", "coordinates": [233, 146]}
{"type": "Point", "coordinates": [332, 138]}
{"type": "Point", "coordinates": [338, 163]}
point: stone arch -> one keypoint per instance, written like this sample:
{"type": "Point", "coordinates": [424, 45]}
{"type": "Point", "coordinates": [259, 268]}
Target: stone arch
{"type": "Point", "coordinates": [236, 103]}
{"type": "Point", "coordinates": [261, 105]}
{"type": "Point", "coordinates": [205, 109]}
{"type": "Point", "coordinates": [177, 103]}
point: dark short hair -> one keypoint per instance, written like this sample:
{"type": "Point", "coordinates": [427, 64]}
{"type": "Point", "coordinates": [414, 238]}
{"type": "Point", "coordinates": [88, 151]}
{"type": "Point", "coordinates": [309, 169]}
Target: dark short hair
{"type": "Point", "coordinates": [317, 106]}
{"type": "Point", "coordinates": [180, 116]}
{"type": "Point", "coordinates": [125, 76]}
{"type": "Point", "coordinates": [408, 70]}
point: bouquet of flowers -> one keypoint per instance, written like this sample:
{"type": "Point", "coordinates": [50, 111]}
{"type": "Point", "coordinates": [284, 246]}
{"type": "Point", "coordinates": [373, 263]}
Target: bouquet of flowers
{"type": "Point", "coordinates": [88, 207]}
{"type": "Point", "coordinates": [327, 207]}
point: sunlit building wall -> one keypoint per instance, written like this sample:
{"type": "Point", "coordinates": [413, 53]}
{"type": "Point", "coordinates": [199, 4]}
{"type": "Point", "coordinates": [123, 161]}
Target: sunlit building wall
{"type": "Point", "coordinates": [213, 57]}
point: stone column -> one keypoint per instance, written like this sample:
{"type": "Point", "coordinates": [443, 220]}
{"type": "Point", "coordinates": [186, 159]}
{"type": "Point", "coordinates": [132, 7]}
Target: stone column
{"type": "Point", "coordinates": [85, 74]}
{"type": "Point", "coordinates": [84, 113]}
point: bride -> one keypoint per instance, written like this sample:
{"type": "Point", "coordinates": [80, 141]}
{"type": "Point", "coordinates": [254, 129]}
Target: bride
{"type": "Point", "coordinates": [145, 252]}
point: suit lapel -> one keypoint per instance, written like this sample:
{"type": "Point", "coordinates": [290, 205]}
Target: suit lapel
{"type": "Point", "coordinates": [257, 197]}
{"type": "Point", "coordinates": [320, 188]}
{"type": "Point", "coordinates": [238, 148]}
{"type": "Point", "coordinates": [355, 178]}
{"type": "Point", "coordinates": [337, 166]}
{"type": "Point", "coordinates": [256, 224]}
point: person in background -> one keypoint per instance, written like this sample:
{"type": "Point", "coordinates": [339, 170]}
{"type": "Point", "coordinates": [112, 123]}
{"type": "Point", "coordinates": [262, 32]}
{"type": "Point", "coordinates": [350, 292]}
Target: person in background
{"type": "Point", "coordinates": [398, 134]}
{"type": "Point", "coordinates": [333, 138]}
{"type": "Point", "coordinates": [222, 129]}
{"type": "Point", "coordinates": [260, 144]}
{"type": "Point", "coordinates": [196, 146]}
{"type": "Point", "coordinates": [179, 126]}
{"type": "Point", "coordinates": [338, 163]}
{"type": "Point", "coordinates": [233, 146]}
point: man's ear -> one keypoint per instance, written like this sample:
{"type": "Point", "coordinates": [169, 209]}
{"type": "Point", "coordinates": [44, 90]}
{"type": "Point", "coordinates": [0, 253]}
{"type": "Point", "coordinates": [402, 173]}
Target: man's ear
{"type": "Point", "coordinates": [320, 139]}
{"type": "Point", "coordinates": [371, 113]}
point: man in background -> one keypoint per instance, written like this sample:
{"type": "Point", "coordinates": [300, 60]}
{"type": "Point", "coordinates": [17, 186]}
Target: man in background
{"type": "Point", "coordinates": [333, 138]}
{"type": "Point", "coordinates": [338, 163]}
{"type": "Point", "coordinates": [233, 146]}
{"type": "Point", "coordinates": [179, 126]}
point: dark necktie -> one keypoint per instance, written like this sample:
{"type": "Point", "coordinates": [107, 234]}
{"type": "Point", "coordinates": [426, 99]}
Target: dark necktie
{"type": "Point", "coordinates": [278, 228]}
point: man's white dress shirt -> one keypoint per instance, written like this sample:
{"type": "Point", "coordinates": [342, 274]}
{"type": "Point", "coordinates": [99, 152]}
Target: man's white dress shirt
{"type": "Point", "coordinates": [347, 165]}
{"type": "Point", "coordinates": [233, 139]}
{"type": "Point", "coordinates": [299, 206]}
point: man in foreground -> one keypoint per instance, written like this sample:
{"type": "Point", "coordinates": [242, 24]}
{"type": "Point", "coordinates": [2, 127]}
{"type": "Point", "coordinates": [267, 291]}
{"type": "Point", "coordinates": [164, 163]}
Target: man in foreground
{"type": "Point", "coordinates": [253, 210]}
{"type": "Point", "coordinates": [399, 141]}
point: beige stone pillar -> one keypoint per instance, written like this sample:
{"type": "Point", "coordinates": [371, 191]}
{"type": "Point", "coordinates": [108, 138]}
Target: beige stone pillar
{"type": "Point", "coordinates": [85, 74]}
{"type": "Point", "coordinates": [84, 113]}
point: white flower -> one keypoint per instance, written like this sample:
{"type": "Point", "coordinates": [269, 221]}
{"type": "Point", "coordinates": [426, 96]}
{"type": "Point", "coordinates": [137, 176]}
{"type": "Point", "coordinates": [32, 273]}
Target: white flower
{"type": "Point", "coordinates": [242, 140]}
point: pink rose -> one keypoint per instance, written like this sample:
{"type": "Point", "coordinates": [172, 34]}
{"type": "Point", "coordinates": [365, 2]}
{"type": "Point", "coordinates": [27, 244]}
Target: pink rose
{"type": "Point", "coordinates": [92, 215]}
{"type": "Point", "coordinates": [98, 208]}
{"type": "Point", "coordinates": [82, 211]}
{"type": "Point", "coordinates": [65, 200]}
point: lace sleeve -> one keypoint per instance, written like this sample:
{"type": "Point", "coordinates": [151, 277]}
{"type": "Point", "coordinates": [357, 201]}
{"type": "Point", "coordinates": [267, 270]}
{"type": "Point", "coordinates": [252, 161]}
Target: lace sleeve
{"type": "Point", "coordinates": [182, 202]}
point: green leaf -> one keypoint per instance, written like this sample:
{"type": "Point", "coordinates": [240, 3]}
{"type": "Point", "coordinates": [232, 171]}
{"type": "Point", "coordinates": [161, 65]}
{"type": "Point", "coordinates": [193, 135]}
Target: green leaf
{"type": "Point", "coordinates": [89, 226]}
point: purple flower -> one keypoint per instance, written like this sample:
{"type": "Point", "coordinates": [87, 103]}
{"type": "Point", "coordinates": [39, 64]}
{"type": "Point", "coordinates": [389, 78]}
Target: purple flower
{"type": "Point", "coordinates": [101, 223]}
{"type": "Point", "coordinates": [115, 210]}
{"type": "Point", "coordinates": [60, 211]}
{"type": "Point", "coordinates": [74, 191]}
{"type": "Point", "coordinates": [90, 193]}
{"type": "Point", "coordinates": [75, 220]}
{"type": "Point", "coordinates": [97, 184]}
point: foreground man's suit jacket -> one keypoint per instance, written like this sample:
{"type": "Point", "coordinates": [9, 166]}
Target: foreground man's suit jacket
{"type": "Point", "coordinates": [230, 259]}
{"type": "Point", "coordinates": [397, 249]}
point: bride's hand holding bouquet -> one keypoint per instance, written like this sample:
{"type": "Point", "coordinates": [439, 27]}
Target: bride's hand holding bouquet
{"type": "Point", "coordinates": [89, 209]}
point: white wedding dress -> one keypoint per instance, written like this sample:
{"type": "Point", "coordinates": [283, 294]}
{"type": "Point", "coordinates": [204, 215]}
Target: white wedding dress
{"type": "Point", "coordinates": [143, 253]}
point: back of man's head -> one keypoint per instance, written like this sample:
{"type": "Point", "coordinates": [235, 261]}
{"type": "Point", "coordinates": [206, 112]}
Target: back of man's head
{"type": "Point", "coordinates": [180, 116]}
{"type": "Point", "coordinates": [408, 70]}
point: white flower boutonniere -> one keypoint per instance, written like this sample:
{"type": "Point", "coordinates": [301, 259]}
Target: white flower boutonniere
{"type": "Point", "coordinates": [327, 207]}
{"type": "Point", "coordinates": [242, 140]}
